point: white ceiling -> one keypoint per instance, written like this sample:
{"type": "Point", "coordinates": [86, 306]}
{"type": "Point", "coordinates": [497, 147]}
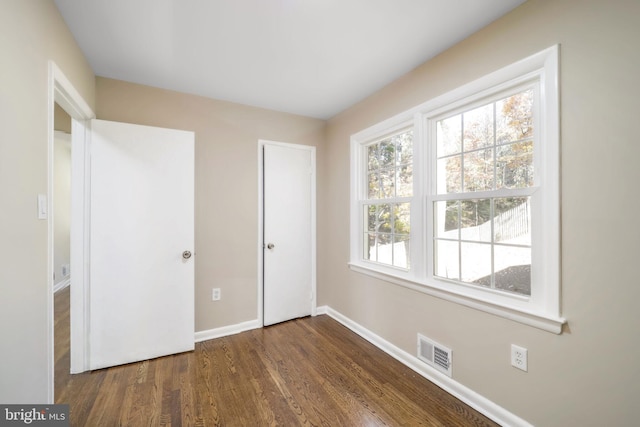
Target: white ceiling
{"type": "Point", "coordinates": [308, 57]}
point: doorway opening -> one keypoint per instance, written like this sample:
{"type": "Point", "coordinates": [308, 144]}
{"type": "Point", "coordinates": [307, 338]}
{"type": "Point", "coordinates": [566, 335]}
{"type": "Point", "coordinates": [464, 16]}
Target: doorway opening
{"type": "Point", "coordinates": [61, 219]}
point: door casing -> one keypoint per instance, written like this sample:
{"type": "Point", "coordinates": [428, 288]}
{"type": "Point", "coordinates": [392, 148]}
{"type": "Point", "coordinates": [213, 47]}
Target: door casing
{"type": "Point", "coordinates": [62, 92]}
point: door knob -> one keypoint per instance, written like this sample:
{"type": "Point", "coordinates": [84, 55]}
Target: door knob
{"type": "Point", "coordinates": [271, 246]}
{"type": "Point", "coordinates": [186, 254]}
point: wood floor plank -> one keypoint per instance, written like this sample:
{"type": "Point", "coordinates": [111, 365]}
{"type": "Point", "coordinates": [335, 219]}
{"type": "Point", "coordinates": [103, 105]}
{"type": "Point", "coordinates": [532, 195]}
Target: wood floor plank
{"type": "Point", "coordinates": [345, 377]}
{"type": "Point", "coordinates": [308, 372]}
{"type": "Point", "coordinates": [370, 388]}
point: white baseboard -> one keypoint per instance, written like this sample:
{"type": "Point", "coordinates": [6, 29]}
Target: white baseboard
{"type": "Point", "coordinates": [61, 284]}
{"type": "Point", "coordinates": [468, 396]}
{"type": "Point", "coordinates": [227, 330]}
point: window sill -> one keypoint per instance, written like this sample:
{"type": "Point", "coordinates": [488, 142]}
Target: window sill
{"type": "Point", "coordinates": [537, 320]}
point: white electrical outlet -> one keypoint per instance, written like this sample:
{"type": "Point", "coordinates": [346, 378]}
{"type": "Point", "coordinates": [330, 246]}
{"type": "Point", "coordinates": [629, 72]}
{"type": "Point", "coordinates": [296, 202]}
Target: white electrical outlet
{"type": "Point", "coordinates": [519, 357]}
{"type": "Point", "coordinates": [215, 294]}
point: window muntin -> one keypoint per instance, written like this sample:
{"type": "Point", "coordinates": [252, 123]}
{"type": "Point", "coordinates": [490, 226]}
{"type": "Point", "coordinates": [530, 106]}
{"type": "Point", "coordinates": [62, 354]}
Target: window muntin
{"type": "Point", "coordinates": [485, 242]}
{"type": "Point", "coordinates": [488, 147]}
{"type": "Point", "coordinates": [387, 239]}
{"type": "Point", "coordinates": [485, 149]}
{"type": "Point", "coordinates": [390, 167]}
{"type": "Point", "coordinates": [387, 208]}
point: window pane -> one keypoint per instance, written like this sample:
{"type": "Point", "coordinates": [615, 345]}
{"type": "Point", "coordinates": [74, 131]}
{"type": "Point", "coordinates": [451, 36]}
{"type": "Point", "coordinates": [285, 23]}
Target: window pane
{"type": "Point", "coordinates": [390, 168]}
{"type": "Point", "coordinates": [513, 269]}
{"type": "Point", "coordinates": [404, 147]}
{"type": "Point", "coordinates": [404, 181]}
{"type": "Point", "coordinates": [478, 170]}
{"type": "Point", "coordinates": [402, 218]}
{"type": "Point", "coordinates": [370, 214]}
{"type": "Point", "coordinates": [446, 259]}
{"type": "Point", "coordinates": [478, 127]}
{"type": "Point", "coordinates": [401, 251]}
{"type": "Point", "coordinates": [372, 157]}
{"type": "Point", "coordinates": [515, 165]}
{"type": "Point", "coordinates": [475, 220]}
{"type": "Point", "coordinates": [387, 183]}
{"type": "Point", "coordinates": [374, 185]}
{"type": "Point", "coordinates": [386, 233]}
{"type": "Point", "coordinates": [514, 117]}
{"type": "Point", "coordinates": [384, 219]}
{"type": "Point", "coordinates": [449, 179]}
{"type": "Point", "coordinates": [386, 153]}
{"type": "Point", "coordinates": [449, 136]}
{"type": "Point", "coordinates": [370, 247]}
{"type": "Point", "coordinates": [475, 263]}
{"type": "Point", "coordinates": [512, 221]}
{"type": "Point", "coordinates": [385, 239]}
{"type": "Point", "coordinates": [445, 215]}
{"type": "Point", "coordinates": [384, 249]}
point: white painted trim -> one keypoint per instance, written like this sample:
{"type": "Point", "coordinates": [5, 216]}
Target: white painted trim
{"type": "Point", "coordinates": [542, 308]}
{"type": "Point", "coordinates": [52, 92]}
{"type": "Point", "coordinates": [61, 91]}
{"type": "Point", "coordinates": [261, 243]}
{"type": "Point", "coordinates": [359, 188]}
{"type": "Point", "coordinates": [465, 394]}
{"type": "Point", "coordinates": [541, 321]}
{"type": "Point", "coordinates": [225, 331]}
{"type": "Point", "coordinates": [260, 240]}
{"type": "Point", "coordinates": [80, 245]}
{"type": "Point", "coordinates": [66, 95]}
{"type": "Point", "coordinates": [539, 72]}
{"type": "Point", "coordinates": [61, 285]}
{"type": "Point", "coordinates": [314, 291]}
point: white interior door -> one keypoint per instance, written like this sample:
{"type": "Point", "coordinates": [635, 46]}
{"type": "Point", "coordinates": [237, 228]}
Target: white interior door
{"type": "Point", "coordinates": [289, 182]}
{"type": "Point", "coordinates": [141, 300]}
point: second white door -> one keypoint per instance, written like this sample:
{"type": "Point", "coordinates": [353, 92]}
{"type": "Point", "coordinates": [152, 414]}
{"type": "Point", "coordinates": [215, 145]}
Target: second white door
{"type": "Point", "coordinates": [289, 222]}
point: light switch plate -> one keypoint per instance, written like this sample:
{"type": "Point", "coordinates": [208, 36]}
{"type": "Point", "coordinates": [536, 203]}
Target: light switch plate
{"type": "Point", "coordinates": [42, 206]}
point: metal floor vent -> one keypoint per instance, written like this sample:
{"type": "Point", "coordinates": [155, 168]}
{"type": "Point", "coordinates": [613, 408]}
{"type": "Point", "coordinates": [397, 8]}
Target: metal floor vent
{"type": "Point", "coordinates": [434, 354]}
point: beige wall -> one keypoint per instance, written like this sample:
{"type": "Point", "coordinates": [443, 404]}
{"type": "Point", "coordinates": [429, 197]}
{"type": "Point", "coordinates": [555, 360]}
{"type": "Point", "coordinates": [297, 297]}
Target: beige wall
{"type": "Point", "coordinates": [31, 34]}
{"type": "Point", "coordinates": [61, 120]}
{"type": "Point", "coordinates": [588, 376]}
{"type": "Point", "coordinates": [226, 183]}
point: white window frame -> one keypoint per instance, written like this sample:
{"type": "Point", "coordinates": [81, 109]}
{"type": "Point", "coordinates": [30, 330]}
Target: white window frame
{"type": "Point", "coordinates": [542, 308]}
{"type": "Point", "coordinates": [359, 196]}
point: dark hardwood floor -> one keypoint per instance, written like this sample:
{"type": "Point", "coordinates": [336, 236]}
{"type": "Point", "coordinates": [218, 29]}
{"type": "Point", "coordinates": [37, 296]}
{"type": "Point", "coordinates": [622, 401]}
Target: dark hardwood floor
{"type": "Point", "coordinates": [310, 371]}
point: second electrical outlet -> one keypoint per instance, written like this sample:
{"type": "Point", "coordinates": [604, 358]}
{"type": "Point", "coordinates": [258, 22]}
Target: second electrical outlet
{"type": "Point", "coordinates": [215, 294]}
{"type": "Point", "coordinates": [519, 357]}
